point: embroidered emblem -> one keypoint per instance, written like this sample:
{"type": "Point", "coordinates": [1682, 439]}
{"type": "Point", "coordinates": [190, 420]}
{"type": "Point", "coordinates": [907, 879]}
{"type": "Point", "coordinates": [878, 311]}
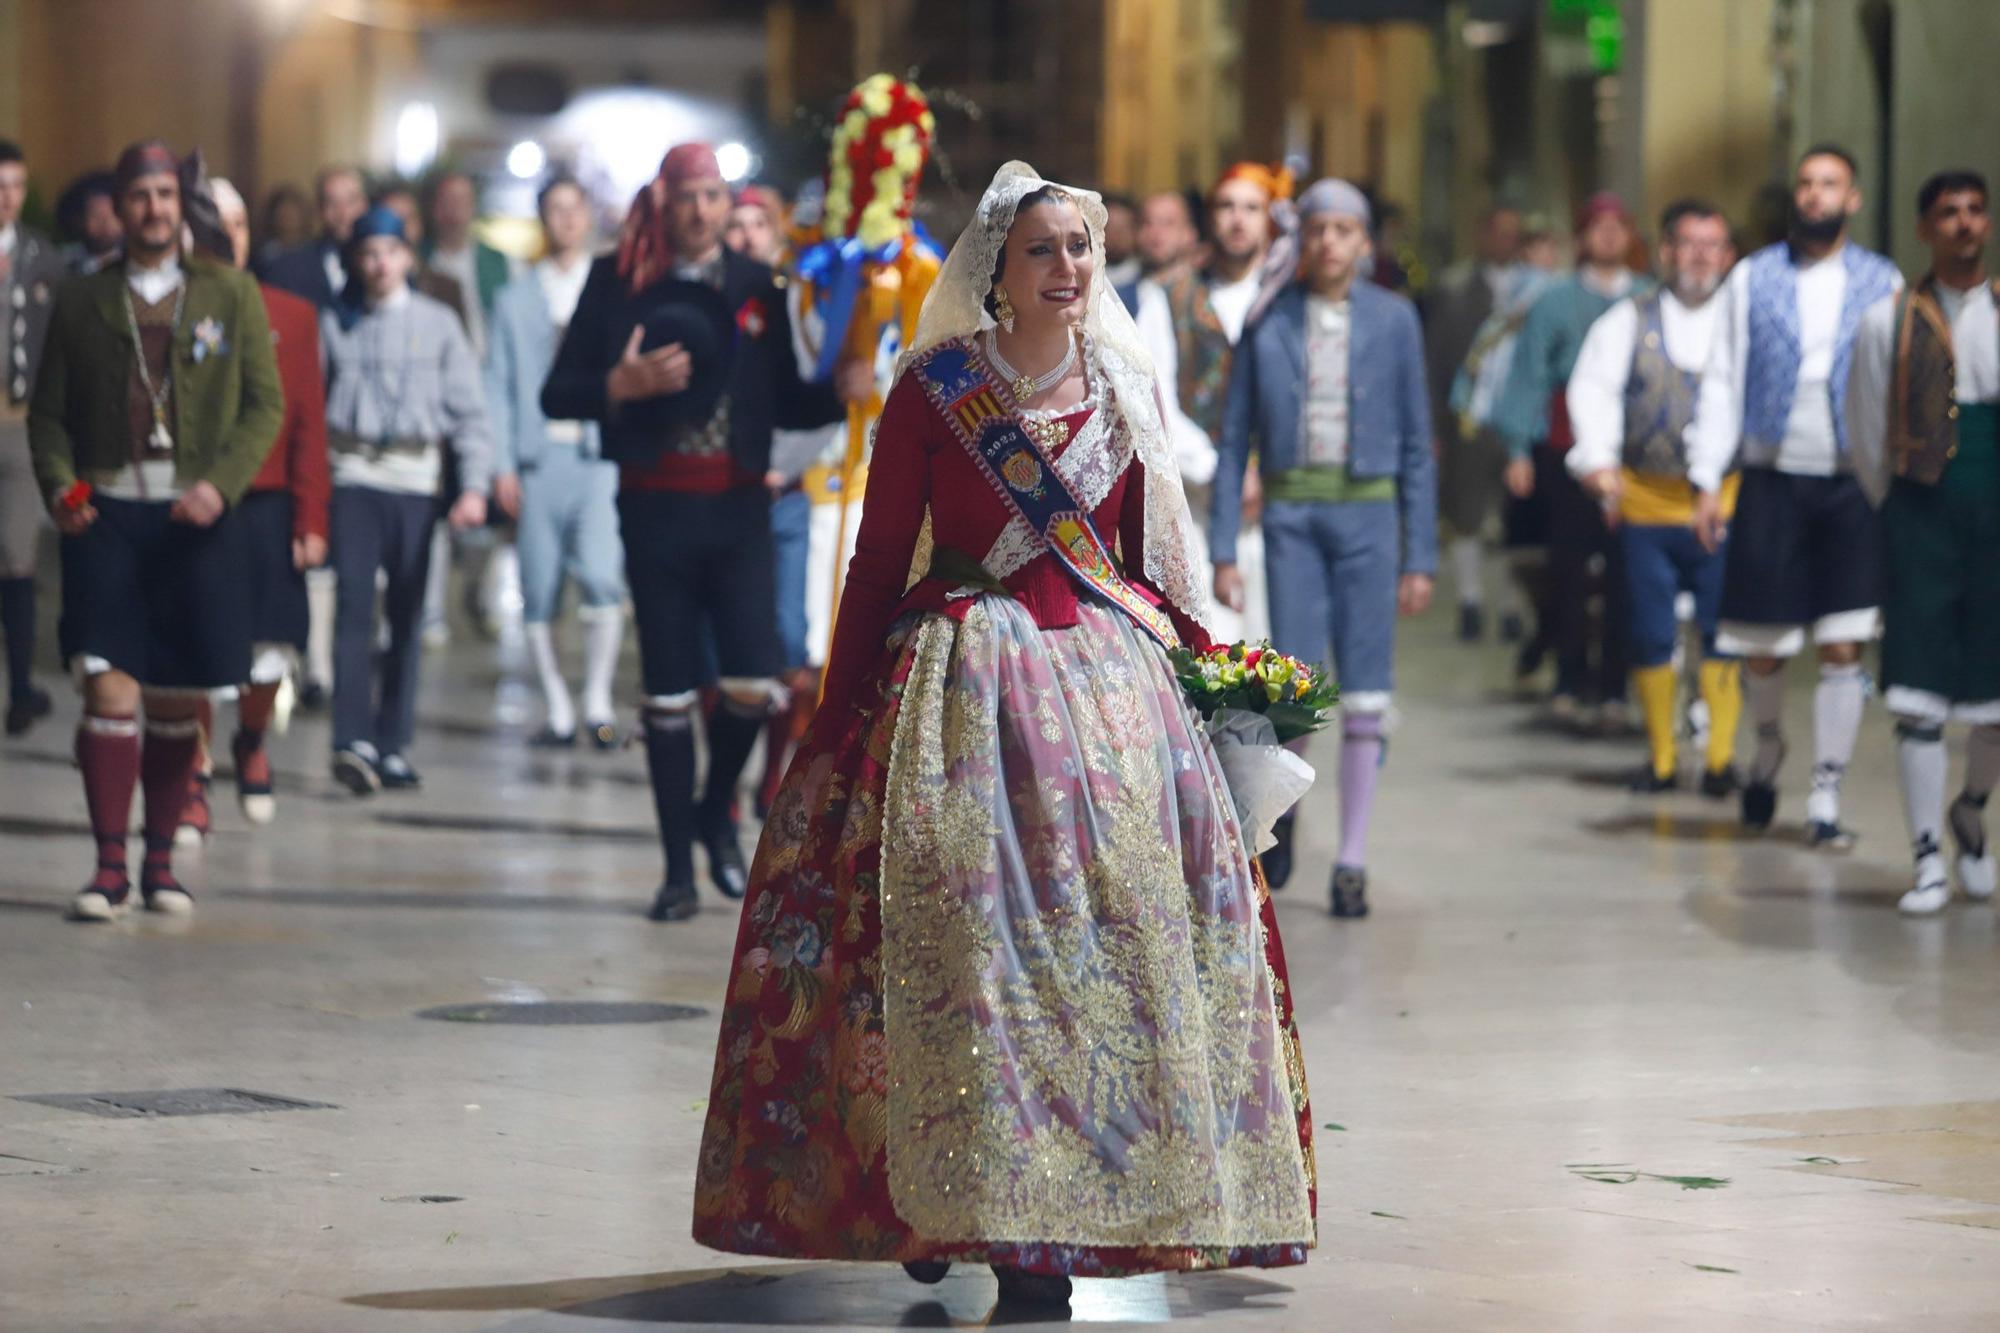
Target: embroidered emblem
{"type": "Point", "coordinates": [1023, 473]}
{"type": "Point", "coordinates": [208, 340]}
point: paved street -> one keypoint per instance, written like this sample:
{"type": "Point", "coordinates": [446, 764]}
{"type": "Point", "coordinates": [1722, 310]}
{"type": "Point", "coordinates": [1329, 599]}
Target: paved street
{"type": "Point", "coordinates": [1566, 994]}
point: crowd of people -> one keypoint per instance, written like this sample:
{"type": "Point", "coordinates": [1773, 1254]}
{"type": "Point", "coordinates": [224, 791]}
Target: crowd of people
{"type": "Point", "coordinates": [1693, 465]}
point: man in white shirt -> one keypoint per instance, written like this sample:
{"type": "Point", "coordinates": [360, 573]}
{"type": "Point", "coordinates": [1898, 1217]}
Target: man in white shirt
{"type": "Point", "coordinates": [1924, 430]}
{"type": "Point", "coordinates": [1631, 396]}
{"type": "Point", "coordinates": [1804, 549]}
{"type": "Point", "coordinates": [1192, 334]}
{"type": "Point", "coordinates": [551, 480]}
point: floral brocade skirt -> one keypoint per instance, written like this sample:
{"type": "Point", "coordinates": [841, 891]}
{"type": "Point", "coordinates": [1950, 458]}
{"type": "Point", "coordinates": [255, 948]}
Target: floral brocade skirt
{"type": "Point", "coordinates": [1005, 989]}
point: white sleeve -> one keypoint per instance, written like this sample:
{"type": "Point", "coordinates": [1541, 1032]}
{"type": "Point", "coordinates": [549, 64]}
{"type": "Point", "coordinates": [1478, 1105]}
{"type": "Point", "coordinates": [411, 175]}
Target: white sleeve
{"type": "Point", "coordinates": [1596, 391]}
{"type": "Point", "coordinates": [808, 330]}
{"type": "Point", "coordinates": [1193, 450]}
{"type": "Point", "coordinates": [1717, 428]}
{"type": "Point", "coordinates": [1868, 390]}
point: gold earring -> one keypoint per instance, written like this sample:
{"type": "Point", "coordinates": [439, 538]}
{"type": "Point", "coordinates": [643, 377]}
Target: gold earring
{"type": "Point", "coordinates": [1003, 309]}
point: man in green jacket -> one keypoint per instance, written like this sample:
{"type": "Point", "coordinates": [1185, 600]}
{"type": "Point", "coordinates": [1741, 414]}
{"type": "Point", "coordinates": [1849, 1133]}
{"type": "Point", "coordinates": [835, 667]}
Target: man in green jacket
{"type": "Point", "coordinates": [157, 399]}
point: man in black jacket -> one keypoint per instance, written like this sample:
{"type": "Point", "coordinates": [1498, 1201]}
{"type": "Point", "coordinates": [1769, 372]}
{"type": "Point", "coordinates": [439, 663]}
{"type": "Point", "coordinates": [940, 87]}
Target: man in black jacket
{"type": "Point", "coordinates": [315, 270]}
{"type": "Point", "coordinates": [682, 351]}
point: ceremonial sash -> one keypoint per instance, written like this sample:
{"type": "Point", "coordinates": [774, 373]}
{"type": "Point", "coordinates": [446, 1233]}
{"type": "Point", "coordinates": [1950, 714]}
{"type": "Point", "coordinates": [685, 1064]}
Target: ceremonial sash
{"type": "Point", "coordinates": [969, 397]}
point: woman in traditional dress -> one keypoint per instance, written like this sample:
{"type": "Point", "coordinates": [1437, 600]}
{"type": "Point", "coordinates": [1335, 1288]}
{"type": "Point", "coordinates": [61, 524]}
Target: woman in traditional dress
{"type": "Point", "coordinates": [1006, 990]}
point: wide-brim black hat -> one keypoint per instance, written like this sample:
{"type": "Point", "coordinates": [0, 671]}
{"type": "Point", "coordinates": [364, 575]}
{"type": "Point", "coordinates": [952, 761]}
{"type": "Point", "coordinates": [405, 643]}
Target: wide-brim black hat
{"type": "Point", "coordinates": [694, 315]}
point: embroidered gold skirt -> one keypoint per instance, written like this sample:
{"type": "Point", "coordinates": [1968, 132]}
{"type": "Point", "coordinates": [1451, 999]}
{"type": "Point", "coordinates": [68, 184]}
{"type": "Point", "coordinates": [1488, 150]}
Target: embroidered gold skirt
{"type": "Point", "coordinates": [1006, 989]}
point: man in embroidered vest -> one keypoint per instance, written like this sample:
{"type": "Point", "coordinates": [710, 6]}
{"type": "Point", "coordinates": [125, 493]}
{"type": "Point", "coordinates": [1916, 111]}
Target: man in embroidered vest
{"type": "Point", "coordinates": [1923, 416]}
{"type": "Point", "coordinates": [1631, 398]}
{"type": "Point", "coordinates": [552, 477]}
{"type": "Point", "coordinates": [31, 269]}
{"type": "Point", "coordinates": [157, 401]}
{"type": "Point", "coordinates": [1532, 420]}
{"type": "Point", "coordinates": [1805, 550]}
{"type": "Point", "coordinates": [1330, 385]}
{"type": "Point", "coordinates": [689, 421]}
{"type": "Point", "coordinates": [1205, 313]}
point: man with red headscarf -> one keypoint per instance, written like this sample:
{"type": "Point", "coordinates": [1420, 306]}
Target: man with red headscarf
{"type": "Point", "coordinates": [681, 350]}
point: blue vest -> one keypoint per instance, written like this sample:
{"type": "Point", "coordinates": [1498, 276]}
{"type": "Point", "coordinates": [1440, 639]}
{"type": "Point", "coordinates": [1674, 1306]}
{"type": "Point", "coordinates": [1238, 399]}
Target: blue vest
{"type": "Point", "coordinates": [1771, 375]}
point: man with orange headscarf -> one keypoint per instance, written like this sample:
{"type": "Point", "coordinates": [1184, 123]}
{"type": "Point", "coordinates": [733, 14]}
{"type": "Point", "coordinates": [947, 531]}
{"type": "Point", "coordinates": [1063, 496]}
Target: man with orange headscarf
{"type": "Point", "coordinates": [681, 351]}
{"type": "Point", "coordinates": [1191, 325]}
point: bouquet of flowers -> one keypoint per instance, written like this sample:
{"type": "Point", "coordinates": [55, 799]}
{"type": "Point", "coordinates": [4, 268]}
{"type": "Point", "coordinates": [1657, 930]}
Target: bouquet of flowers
{"type": "Point", "coordinates": [1296, 696]}
{"type": "Point", "coordinates": [1254, 700]}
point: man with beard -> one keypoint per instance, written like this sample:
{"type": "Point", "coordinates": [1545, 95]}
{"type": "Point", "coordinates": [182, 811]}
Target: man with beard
{"type": "Point", "coordinates": [1532, 420]}
{"type": "Point", "coordinates": [1805, 550]}
{"type": "Point", "coordinates": [1924, 430]}
{"type": "Point", "coordinates": [1469, 488]}
{"type": "Point", "coordinates": [1631, 397]}
{"type": "Point", "coordinates": [31, 270]}
{"type": "Point", "coordinates": [691, 430]}
{"type": "Point", "coordinates": [157, 401]}
{"type": "Point", "coordinates": [1206, 311]}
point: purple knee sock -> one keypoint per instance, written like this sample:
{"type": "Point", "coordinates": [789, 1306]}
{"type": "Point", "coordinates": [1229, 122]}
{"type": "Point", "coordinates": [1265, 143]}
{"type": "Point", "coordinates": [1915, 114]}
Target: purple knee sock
{"type": "Point", "coordinates": [1361, 746]}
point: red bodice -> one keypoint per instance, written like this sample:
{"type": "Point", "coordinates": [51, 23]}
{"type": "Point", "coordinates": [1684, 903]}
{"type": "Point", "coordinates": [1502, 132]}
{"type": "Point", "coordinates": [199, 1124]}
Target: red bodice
{"type": "Point", "coordinates": [918, 462]}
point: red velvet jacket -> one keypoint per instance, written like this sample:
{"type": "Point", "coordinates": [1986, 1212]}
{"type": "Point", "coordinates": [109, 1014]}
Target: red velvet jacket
{"type": "Point", "coordinates": [919, 462]}
{"type": "Point", "coordinates": [297, 461]}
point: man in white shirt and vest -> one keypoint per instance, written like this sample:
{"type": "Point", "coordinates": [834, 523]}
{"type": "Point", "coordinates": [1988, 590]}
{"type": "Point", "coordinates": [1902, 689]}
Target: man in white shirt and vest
{"type": "Point", "coordinates": [1631, 397]}
{"type": "Point", "coordinates": [1924, 427]}
{"type": "Point", "coordinates": [1804, 549]}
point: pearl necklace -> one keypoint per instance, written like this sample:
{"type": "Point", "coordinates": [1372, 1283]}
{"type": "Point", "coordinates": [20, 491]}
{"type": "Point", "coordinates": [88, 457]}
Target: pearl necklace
{"type": "Point", "coordinates": [1027, 386]}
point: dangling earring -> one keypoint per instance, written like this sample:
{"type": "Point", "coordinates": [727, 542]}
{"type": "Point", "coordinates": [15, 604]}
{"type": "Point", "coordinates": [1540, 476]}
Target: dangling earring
{"type": "Point", "coordinates": [1003, 309]}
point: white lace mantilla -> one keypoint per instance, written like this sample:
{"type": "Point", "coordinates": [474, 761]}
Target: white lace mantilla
{"type": "Point", "coordinates": [1116, 363]}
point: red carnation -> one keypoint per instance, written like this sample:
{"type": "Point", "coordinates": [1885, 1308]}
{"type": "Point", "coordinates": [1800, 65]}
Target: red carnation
{"type": "Point", "coordinates": [77, 496]}
{"type": "Point", "coordinates": [750, 319]}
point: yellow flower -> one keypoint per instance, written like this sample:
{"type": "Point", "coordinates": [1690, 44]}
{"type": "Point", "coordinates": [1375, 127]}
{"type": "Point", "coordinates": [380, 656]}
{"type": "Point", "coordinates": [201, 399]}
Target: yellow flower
{"type": "Point", "coordinates": [1273, 690]}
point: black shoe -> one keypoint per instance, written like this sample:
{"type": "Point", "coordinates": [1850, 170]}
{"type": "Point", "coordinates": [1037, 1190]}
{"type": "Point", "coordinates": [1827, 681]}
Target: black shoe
{"type": "Point", "coordinates": [311, 696]}
{"type": "Point", "coordinates": [930, 1272]}
{"type": "Point", "coordinates": [1529, 660]}
{"type": "Point", "coordinates": [603, 735]}
{"type": "Point", "coordinates": [1019, 1288]}
{"type": "Point", "coordinates": [28, 709]}
{"type": "Point", "coordinates": [725, 858]}
{"type": "Point", "coordinates": [1823, 835]}
{"type": "Point", "coordinates": [355, 772]}
{"type": "Point", "coordinates": [1471, 623]}
{"type": "Point", "coordinates": [548, 738]}
{"type": "Point", "coordinates": [1277, 860]}
{"type": "Point", "coordinates": [1511, 628]}
{"type": "Point", "coordinates": [1646, 782]}
{"type": "Point", "coordinates": [397, 775]}
{"type": "Point", "coordinates": [1718, 784]}
{"type": "Point", "coordinates": [1350, 892]}
{"type": "Point", "coordinates": [1760, 803]}
{"type": "Point", "coordinates": [674, 902]}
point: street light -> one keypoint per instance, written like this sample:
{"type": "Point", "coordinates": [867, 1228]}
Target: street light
{"type": "Point", "coordinates": [735, 161]}
{"type": "Point", "coordinates": [526, 159]}
{"type": "Point", "coordinates": [416, 139]}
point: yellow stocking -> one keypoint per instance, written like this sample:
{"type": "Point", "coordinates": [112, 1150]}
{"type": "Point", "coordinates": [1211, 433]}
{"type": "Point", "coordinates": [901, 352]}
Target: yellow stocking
{"type": "Point", "coordinates": [1722, 690]}
{"type": "Point", "coordinates": [1656, 704]}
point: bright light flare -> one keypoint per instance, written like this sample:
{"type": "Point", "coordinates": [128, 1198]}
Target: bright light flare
{"type": "Point", "coordinates": [734, 159]}
{"type": "Point", "coordinates": [526, 159]}
{"type": "Point", "coordinates": [416, 138]}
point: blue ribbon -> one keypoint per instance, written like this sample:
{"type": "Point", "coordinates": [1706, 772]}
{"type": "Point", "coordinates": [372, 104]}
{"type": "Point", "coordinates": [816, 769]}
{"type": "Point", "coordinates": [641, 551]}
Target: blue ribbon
{"type": "Point", "coordinates": [836, 269]}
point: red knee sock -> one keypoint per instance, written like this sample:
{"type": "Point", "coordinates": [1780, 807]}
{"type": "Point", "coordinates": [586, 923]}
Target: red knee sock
{"type": "Point", "coordinates": [107, 750]}
{"type": "Point", "coordinates": [165, 770]}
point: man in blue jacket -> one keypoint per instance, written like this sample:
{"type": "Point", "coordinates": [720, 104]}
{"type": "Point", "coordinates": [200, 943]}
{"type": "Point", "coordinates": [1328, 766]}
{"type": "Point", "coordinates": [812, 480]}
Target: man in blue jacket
{"type": "Point", "coordinates": [1329, 385]}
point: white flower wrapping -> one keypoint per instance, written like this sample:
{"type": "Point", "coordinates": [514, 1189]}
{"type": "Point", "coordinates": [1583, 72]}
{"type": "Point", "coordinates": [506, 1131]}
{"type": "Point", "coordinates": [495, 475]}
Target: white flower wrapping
{"type": "Point", "coordinates": [1265, 779]}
